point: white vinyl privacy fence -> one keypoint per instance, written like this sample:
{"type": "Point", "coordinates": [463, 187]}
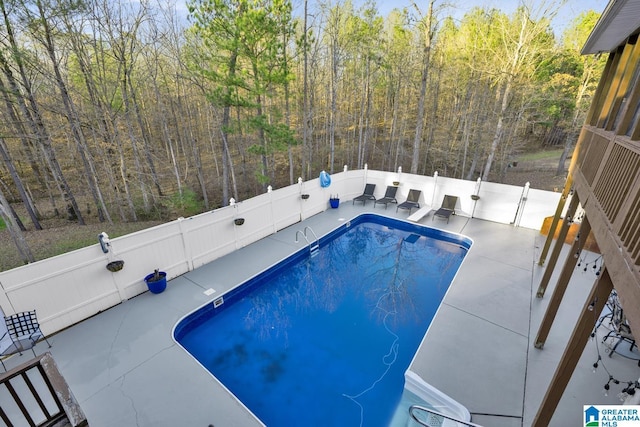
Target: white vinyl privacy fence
{"type": "Point", "coordinates": [69, 288]}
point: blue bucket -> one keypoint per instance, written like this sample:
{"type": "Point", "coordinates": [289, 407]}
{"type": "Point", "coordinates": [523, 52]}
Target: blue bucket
{"type": "Point", "coordinates": [156, 286]}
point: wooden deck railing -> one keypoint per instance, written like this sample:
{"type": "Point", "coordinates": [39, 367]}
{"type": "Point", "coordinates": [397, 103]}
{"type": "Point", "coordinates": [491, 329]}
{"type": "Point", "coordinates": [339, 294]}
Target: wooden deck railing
{"type": "Point", "coordinates": [607, 180]}
{"type": "Point", "coordinates": [605, 177]}
{"type": "Point", "coordinates": [36, 394]}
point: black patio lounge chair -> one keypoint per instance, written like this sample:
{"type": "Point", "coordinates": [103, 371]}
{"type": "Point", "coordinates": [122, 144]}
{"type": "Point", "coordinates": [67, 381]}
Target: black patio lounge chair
{"type": "Point", "coordinates": [20, 332]}
{"type": "Point", "coordinates": [367, 195]}
{"type": "Point", "coordinates": [447, 209]}
{"type": "Point", "coordinates": [389, 196]}
{"type": "Point", "coordinates": [411, 202]}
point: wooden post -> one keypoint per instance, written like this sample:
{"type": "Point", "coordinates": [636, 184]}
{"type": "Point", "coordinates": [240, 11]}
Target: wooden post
{"type": "Point", "coordinates": [563, 282]}
{"type": "Point", "coordinates": [575, 347]}
{"type": "Point", "coordinates": [557, 248]}
{"type": "Point", "coordinates": [556, 220]}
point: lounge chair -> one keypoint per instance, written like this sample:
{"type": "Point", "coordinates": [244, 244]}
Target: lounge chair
{"type": "Point", "coordinates": [411, 202]}
{"type": "Point", "coordinates": [447, 209]}
{"type": "Point", "coordinates": [367, 195]}
{"type": "Point", "coordinates": [20, 332]}
{"type": "Point", "coordinates": [389, 196]}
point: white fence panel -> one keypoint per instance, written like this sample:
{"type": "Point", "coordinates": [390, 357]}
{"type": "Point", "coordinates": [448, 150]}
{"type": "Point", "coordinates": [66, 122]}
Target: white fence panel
{"type": "Point", "coordinates": [286, 204]}
{"type": "Point", "coordinates": [425, 184]}
{"type": "Point", "coordinates": [318, 199]}
{"type": "Point", "coordinates": [381, 179]}
{"type": "Point", "coordinates": [498, 202]}
{"type": "Point", "coordinates": [161, 247]}
{"type": "Point", "coordinates": [455, 187]}
{"type": "Point", "coordinates": [338, 187]}
{"type": "Point", "coordinates": [209, 236]}
{"type": "Point", "coordinates": [259, 219]}
{"type": "Point", "coordinates": [538, 205]}
{"type": "Point", "coordinates": [353, 183]}
{"type": "Point", "coordinates": [345, 185]}
{"type": "Point", "coordinates": [72, 287]}
{"type": "Point", "coordinates": [64, 289]}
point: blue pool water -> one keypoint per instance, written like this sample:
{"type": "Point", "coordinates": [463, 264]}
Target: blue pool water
{"type": "Point", "coordinates": [325, 340]}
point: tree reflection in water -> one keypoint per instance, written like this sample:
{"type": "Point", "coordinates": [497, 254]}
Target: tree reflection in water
{"type": "Point", "coordinates": [330, 336]}
{"type": "Point", "coordinates": [385, 268]}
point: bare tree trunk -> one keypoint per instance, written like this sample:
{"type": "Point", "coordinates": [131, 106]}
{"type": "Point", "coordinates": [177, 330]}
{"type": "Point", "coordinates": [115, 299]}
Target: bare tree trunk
{"type": "Point", "coordinates": [403, 128]}
{"type": "Point", "coordinates": [305, 94]}
{"type": "Point", "coordinates": [193, 142]}
{"type": "Point", "coordinates": [333, 114]}
{"type": "Point", "coordinates": [287, 113]}
{"type": "Point", "coordinates": [572, 135]}
{"type": "Point", "coordinates": [211, 131]}
{"type": "Point", "coordinates": [128, 112]}
{"type": "Point", "coordinates": [85, 50]}
{"type": "Point", "coordinates": [166, 135]}
{"type": "Point", "coordinates": [226, 119]}
{"type": "Point", "coordinates": [497, 137]}
{"type": "Point", "coordinates": [432, 127]}
{"type": "Point", "coordinates": [197, 158]}
{"type": "Point", "coordinates": [32, 114]}
{"type": "Point", "coordinates": [428, 35]}
{"type": "Point", "coordinates": [73, 119]}
{"type": "Point", "coordinates": [361, 127]}
{"type": "Point", "coordinates": [393, 132]}
{"type": "Point", "coordinates": [263, 141]}
{"type": "Point", "coordinates": [146, 140]}
{"type": "Point", "coordinates": [521, 53]}
{"type": "Point", "coordinates": [14, 231]}
{"type": "Point", "coordinates": [123, 171]}
{"type": "Point", "coordinates": [135, 152]}
{"type": "Point", "coordinates": [26, 200]}
{"type": "Point", "coordinates": [29, 150]}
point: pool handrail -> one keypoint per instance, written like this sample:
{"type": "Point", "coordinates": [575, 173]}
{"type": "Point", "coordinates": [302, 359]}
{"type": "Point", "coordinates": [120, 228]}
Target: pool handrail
{"type": "Point", "coordinates": [414, 408]}
{"type": "Point", "coordinates": [312, 248]}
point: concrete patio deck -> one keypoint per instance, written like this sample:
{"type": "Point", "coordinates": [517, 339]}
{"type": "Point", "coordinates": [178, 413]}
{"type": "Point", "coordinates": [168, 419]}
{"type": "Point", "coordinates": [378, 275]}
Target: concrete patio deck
{"type": "Point", "coordinates": [125, 369]}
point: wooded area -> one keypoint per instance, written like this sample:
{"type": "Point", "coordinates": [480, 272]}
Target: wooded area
{"type": "Point", "coordinates": [120, 110]}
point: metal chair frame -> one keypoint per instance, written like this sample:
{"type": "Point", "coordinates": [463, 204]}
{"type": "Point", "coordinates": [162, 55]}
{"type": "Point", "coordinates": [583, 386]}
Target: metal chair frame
{"type": "Point", "coordinates": [22, 333]}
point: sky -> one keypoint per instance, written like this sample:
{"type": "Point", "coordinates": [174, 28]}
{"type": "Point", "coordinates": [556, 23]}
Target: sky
{"type": "Point", "coordinates": [568, 12]}
{"type": "Point", "coordinates": [566, 15]}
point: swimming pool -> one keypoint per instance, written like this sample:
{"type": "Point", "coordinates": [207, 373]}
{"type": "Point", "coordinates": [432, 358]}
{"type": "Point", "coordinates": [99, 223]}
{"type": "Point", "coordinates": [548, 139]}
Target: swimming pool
{"type": "Point", "coordinates": [326, 339]}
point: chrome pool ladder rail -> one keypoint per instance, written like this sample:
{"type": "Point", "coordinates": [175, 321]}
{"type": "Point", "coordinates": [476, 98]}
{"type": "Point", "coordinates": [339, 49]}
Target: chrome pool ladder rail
{"type": "Point", "coordinates": [314, 245]}
{"type": "Point", "coordinates": [435, 416]}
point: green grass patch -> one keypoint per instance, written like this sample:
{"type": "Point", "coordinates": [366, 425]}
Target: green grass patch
{"type": "Point", "coordinates": [71, 243]}
{"type": "Point", "coordinates": [541, 155]}
{"type": "Point", "coordinates": [79, 237]}
{"type": "Point", "coordinates": [2, 224]}
{"type": "Point", "coordinates": [59, 240]}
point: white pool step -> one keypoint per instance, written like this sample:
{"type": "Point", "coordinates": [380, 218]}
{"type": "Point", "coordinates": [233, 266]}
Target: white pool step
{"type": "Point", "coordinates": [419, 214]}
